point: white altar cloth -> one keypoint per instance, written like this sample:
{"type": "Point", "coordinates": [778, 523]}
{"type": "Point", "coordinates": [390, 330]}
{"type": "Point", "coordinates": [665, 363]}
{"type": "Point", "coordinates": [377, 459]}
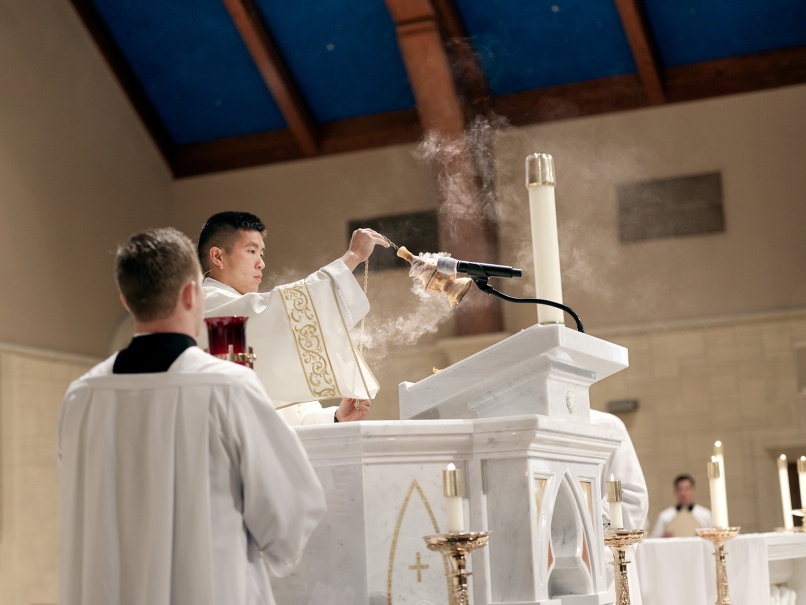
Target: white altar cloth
{"type": "Point", "coordinates": [682, 570]}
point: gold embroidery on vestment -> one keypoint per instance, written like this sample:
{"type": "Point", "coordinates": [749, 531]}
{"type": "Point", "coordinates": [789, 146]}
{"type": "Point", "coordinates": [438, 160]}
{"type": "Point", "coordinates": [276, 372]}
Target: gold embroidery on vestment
{"type": "Point", "coordinates": [309, 340]}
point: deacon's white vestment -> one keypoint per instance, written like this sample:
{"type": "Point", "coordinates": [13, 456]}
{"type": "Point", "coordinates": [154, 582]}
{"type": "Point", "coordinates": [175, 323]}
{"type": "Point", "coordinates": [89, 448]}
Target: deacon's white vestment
{"type": "Point", "coordinates": [700, 513]}
{"type": "Point", "coordinates": [623, 464]}
{"type": "Point", "coordinates": [174, 483]}
{"type": "Point", "coordinates": [300, 334]}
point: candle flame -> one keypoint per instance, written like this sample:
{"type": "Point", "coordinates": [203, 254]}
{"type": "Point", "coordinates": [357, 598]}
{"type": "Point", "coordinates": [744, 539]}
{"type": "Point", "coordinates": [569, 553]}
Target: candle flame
{"type": "Point", "coordinates": [717, 444]}
{"type": "Point", "coordinates": [612, 477]}
{"type": "Point", "coordinates": [713, 459]}
{"type": "Point", "coordinates": [451, 467]}
{"type": "Point", "coordinates": [783, 457]}
{"type": "Point", "coordinates": [803, 458]}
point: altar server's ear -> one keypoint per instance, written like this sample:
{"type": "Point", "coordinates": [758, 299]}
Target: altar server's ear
{"type": "Point", "coordinates": [188, 295]}
{"type": "Point", "coordinates": [125, 306]}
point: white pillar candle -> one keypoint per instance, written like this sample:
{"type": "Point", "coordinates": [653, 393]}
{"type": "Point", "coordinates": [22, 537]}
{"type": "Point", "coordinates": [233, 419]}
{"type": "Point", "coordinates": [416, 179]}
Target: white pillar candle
{"type": "Point", "coordinates": [719, 453]}
{"type": "Point", "coordinates": [614, 499]}
{"type": "Point", "coordinates": [719, 507]}
{"type": "Point", "coordinates": [786, 497]}
{"type": "Point", "coordinates": [540, 182]}
{"type": "Point", "coordinates": [802, 482]}
{"type": "Point", "coordinates": [453, 488]}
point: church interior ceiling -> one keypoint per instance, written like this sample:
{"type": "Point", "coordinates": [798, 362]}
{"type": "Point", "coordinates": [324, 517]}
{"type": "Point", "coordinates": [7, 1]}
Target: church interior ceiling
{"type": "Point", "coordinates": [302, 78]}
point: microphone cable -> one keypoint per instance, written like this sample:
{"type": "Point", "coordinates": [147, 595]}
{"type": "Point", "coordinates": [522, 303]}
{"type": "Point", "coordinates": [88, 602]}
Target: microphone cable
{"type": "Point", "coordinates": [484, 286]}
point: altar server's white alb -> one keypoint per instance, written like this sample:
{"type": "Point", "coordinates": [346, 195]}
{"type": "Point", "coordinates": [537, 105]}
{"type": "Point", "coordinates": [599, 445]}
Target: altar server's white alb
{"type": "Point", "coordinates": [173, 483]}
{"type": "Point", "coordinates": [300, 333]}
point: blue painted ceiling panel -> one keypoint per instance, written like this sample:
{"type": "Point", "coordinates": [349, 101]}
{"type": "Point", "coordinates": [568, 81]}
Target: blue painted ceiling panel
{"type": "Point", "coordinates": [194, 67]}
{"type": "Point", "coordinates": [690, 31]}
{"type": "Point", "coordinates": [527, 44]}
{"type": "Point", "coordinates": [343, 55]}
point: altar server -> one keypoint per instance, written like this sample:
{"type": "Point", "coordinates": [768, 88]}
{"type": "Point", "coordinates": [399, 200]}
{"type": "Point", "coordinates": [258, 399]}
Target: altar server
{"type": "Point", "coordinates": [299, 331]}
{"type": "Point", "coordinates": [623, 464]}
{"type": "Point", "coordinates": [180, 483]}
{"type": "Point", "coordinates": [685, 492]}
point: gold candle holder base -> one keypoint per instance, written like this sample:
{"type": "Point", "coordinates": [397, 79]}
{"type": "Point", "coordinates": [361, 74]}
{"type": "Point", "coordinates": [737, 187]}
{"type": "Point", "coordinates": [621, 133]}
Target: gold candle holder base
{"type": "Point", "coordinates": [618, 540]}
{"type": "Point", "coordinates": [719, 536]}
{"type": "Point", "coordinates": [457, 545]}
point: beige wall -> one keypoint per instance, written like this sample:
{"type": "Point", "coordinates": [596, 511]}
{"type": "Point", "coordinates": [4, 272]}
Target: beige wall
{"type": "Point", "coordinates": [758, 263]}
{"type": "Point", "coordinates": [731, 379]}
{"type": "Point", "coordinates": [32, 384]}
{"type": "Point", "coordinates": [78, 173]}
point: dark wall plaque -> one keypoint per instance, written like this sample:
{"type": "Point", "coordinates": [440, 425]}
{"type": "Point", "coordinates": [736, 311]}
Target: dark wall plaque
{"type": "Point", "coordinates": [418, 231]}
{"type": "Point", "coordinates": [687, 205]}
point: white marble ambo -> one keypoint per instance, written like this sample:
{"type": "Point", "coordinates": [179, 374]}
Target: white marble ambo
{"type": "Point", "coordinates": [532, 479]}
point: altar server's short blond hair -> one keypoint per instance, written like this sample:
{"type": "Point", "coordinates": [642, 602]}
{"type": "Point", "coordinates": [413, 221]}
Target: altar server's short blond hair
{"type": "Point", "coordinates": [150, 269]}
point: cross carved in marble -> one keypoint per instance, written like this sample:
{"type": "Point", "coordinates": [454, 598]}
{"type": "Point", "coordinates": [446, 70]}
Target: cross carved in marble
{"type": "Point", "coordinates": [419, 567]}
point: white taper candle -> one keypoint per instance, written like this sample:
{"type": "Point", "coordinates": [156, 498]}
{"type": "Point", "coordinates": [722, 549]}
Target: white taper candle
{"type": "Point", "coordinates": [719, 508]}
{"type": "Point", "coordinates": [614, 499]}
{"type": "Point", "coordinates": [802, 482]}
{"type": "Point", "coordinates": [453, 488]}
{"type": "Point", "coordinates": [786, 496]}
{"type": "Point", "coordinates": [719, 453]}
{"type": "Point", "coordinates": [540, 182]}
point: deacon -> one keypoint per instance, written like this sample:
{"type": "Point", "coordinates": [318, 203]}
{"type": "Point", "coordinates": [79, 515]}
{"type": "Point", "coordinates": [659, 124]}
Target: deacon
{"type": "Point", "coordinates": [180, 483]}
{"type": "Point", "coordinates": [299, 331]}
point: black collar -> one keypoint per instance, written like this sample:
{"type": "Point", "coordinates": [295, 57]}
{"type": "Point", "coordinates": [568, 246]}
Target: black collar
{"type": "Point", "coordinates": [151, 353]}
{"type": "Point", "coordinates": [690, 507]}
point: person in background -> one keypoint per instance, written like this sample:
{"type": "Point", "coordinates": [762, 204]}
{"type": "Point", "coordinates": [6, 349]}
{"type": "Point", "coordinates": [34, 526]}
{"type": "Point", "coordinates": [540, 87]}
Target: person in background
{"type": "Point", "coordinates": [623, 464]}
{"type": "Point", "coordinates": [685, 493]}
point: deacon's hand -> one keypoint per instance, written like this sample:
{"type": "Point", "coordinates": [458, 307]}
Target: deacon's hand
{"type": "Point", "coordinates": [352, 409]}
{"type": "Point", "coordinates": [362, 244]}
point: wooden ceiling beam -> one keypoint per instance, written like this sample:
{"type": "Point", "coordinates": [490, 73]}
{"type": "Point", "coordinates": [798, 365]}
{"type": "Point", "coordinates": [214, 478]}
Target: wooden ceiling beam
{"type": "Point", "coordinates": [276, 75]}
{"type": "Point", "coordinates": [354, 134]}
{"type": "Point", "coordinates": [732, 75]}
{"type": "Point", "coordinates": [429, 70]}
{"type": "Point", "coordinates": [643, 47]}
{"type": "Point", "coordinates": [127, 78]}
{"type": "Point", "coordinates": [468, 71]}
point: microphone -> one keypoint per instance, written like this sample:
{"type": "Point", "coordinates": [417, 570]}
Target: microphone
{"type": "Point", "coordinates": [446, 264]}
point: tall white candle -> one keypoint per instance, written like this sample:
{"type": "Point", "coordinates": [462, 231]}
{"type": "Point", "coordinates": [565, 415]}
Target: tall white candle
{"type": "Point", "coordinates": [540, 182]}
{"type": "Point", "coordinates": [719, 507]}
{"type": "Point", "coordinates": [802, 482]}
{"type": "Point", "coordinates": [614, 499]}
{"type": "Point", "coordinates": [719, 453]}
{"type": "Point", "coordinates": [453, 488]}
{"type": "Point", "coordinates": [786, 497]}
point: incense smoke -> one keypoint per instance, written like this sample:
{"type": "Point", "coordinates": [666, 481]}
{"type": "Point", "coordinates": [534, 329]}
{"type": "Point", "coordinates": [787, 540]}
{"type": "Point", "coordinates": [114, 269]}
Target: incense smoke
{"type": "Point", "coordinates": [430, 311]}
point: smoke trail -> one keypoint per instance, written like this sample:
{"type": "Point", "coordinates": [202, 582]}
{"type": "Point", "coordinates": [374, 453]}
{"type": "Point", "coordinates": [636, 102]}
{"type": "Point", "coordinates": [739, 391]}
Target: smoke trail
{"type": "Point", "coordinates": [430, 311]}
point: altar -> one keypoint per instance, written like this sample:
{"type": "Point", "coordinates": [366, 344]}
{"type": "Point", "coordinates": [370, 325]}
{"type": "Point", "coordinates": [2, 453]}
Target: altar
{"type": "Point", "coordinates": [515, 419]}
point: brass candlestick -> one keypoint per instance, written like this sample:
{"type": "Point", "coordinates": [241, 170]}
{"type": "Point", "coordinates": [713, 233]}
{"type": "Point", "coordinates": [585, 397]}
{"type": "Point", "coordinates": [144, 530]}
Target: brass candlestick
{"type": "Point", "coordinates": [457, 545]}
{"type": "Point", "coordinates": [618, 540]}
{"type": "Point", "coordinates": [720, 535]}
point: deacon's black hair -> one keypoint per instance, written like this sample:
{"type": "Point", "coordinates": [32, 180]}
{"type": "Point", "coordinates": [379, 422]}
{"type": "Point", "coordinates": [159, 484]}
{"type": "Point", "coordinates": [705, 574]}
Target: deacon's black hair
{"type": "Point", "coordinates": [221, 231]}
{"type": "Point", "coordinates": [688, 478]}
